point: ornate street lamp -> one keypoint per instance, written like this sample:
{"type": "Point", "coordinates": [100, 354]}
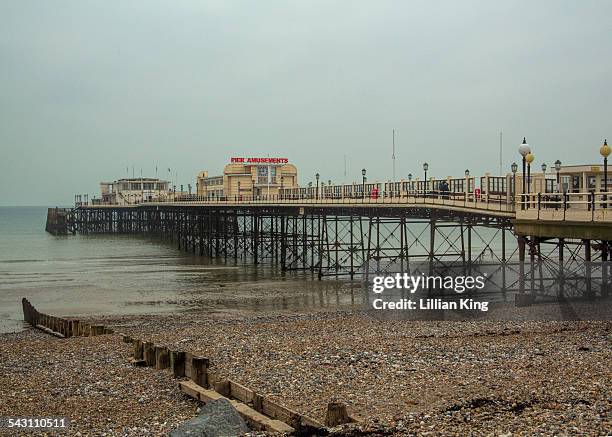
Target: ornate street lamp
{"type": "Point", "coordinates": [467, 173]}
{"type": "Point", "coordinates": [524, 150]}
{"type": "Point", "coordinates": [514, 168]}
{"type": "Point", "coordinates": [409, 181]}
{"type": "Point", "coordinates": [425, 184]}
{"type": "Point", "coordinates": [317, 178]}
{"type": "Point", "coordinates": [363, 181]}
{"type": "Point", "coordinates": [529, 158]}
{"type": "Point", "coordinates": [544, 167]}
{"type": "Point", "coordinates": [604, 151]}
{"type": "Point", "coordinates": [558, 169]}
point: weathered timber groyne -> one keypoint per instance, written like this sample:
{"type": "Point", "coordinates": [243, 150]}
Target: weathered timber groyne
{"type": "Point", "coordinates": [197, 380]}
{"type": "Point", "coordinates": [59, 326]}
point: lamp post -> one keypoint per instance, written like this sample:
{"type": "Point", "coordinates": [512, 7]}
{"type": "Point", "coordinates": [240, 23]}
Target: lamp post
{"type": "Point", "coordinates": [604, 151]}
{"type": "Point", "coordinates": [529, 158]}
{"type": "Point", "coordinates": [425, 168]}
{"type": "Point", "coordinates": [363, 180]}
{"type": "Point", "coordinates": [514, 168]}
{"type": "Point", "coordinates": [281, 187]}
{"type": "Point", "coordinates": [558, 169]}
{"type": "Point", "coordinates": [317, 191]}
{"type": "Point", "coordinates": [544, 167]}
{"type": "Point", "coordinates": [409, 182]}
{"type": "Point", "coordinates": [524, 150]}
{"type": "Point", "coordinates": [467, 173]}
{"type": "Point", "coordinates": [189, 188]}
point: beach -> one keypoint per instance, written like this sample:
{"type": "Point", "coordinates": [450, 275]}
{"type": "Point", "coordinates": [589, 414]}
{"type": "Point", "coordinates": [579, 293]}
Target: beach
{"type": "Point", "coordinates": [397, 377]}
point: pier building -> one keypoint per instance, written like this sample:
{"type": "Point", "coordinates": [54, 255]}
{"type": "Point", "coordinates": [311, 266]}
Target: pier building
{"type": "Point", "coordinates": [263, 177]}
{"type": "Point", "coordinates": [132, 191]}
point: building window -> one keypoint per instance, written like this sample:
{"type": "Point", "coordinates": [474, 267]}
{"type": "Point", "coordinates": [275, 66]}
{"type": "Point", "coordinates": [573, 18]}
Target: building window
{"type": "Point", "coordinates": [591, 182]}
{"type": "Point", "coordinates": [262, 175]}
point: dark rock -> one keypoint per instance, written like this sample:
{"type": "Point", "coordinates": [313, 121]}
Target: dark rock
{"type": "Point", "coordinates": [216, 419]}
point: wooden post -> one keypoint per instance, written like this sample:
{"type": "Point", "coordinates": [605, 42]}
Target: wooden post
{"type": "Point", "coordinates": [149, 353]}
{"type": "Point", "coordinates": [26, 310]}
{"type": "Point", "coordinates": [257, 402]}
{"type": "Point", "coordinates": [138, 350]}
{"type": "Point", "coordinates": [76, 329]}
{"type": "Point", "coordinates": [336, 414]}
{"type": "Point", "coordinates": [199, 371]}
{"type": "Point", "coordinates": [64, 325]}
{"type": "Point", "coordinates": [161, 357]}
{"type": "Point", "coordinates": [178, 363]}
{"type": "Point", "coordinates": [223, 388]}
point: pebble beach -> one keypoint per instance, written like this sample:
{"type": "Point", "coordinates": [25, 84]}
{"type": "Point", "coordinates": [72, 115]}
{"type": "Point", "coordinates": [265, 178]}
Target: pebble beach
{"type": "Point", "coordinates": [396, 377]}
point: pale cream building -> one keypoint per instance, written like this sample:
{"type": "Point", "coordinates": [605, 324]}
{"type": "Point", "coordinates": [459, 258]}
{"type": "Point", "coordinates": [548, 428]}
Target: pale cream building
{"type": "Point", "coordinates": [248, 177]}
{"type": "Point", "coordinates": [132, 191]}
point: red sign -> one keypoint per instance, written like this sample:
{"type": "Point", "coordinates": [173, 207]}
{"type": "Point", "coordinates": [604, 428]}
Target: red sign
{"type": "Point", "coordinates": [259, 161]}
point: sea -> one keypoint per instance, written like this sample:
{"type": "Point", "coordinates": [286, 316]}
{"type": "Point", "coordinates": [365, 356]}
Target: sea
{"type": "Point", "coordinates": [80, 275]}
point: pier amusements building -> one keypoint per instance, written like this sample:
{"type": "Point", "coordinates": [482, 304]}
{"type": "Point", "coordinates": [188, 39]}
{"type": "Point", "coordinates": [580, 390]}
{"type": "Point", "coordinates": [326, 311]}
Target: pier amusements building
{"type": "Point", "coordinates": [248, 177]}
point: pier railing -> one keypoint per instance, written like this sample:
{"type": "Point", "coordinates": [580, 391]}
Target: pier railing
{"type": "Point", "coordinates": [594, 206]}
{"type": "Point", "coordinates": [490, 202]}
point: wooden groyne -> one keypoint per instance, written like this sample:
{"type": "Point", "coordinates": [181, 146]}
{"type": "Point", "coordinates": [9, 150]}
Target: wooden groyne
{"type": "Point", "coordinates": [260, 412]}
{"type": "Point", "coordinates": [197, 379]}
{"type": "Point", "coordinates": [59, 326]}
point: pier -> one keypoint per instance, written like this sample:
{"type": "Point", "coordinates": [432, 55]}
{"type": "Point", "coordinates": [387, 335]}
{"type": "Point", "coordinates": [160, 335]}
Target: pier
{"type": "Point", "coordinates": [551, 244]}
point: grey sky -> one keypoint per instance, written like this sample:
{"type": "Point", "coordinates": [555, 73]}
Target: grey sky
{"type": "Point", "coordinates": [88, 88]}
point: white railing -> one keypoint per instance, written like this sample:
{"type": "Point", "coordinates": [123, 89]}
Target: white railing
{"type": "Point", "coordinates": [595, 206]}
{"type": "Point", "coordinates": [440, 198]}
{"type": "Point", "coordinates": [578, 207]}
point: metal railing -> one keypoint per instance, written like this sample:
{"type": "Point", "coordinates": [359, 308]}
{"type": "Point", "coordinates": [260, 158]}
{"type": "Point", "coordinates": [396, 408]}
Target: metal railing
{"type": "Point", "coordinates": [592, 206]}
{"type": "Point", "coordinates": [489, 202]}
{"type": "Point", "coordinates": [584, 206]}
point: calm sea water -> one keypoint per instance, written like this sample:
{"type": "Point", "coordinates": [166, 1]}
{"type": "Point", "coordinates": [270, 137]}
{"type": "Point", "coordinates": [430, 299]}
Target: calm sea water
{"type": "Point", "coordinates": [92, 275]}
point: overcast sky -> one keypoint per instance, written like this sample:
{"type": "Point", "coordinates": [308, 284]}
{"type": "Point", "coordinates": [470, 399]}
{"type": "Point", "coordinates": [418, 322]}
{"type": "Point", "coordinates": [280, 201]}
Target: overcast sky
{"type": "Point", "coordinates": [88, 88]}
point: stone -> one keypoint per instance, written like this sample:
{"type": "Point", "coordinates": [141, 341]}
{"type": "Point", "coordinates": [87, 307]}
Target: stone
{"type": "Point", "coordinates": [216, 419]}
